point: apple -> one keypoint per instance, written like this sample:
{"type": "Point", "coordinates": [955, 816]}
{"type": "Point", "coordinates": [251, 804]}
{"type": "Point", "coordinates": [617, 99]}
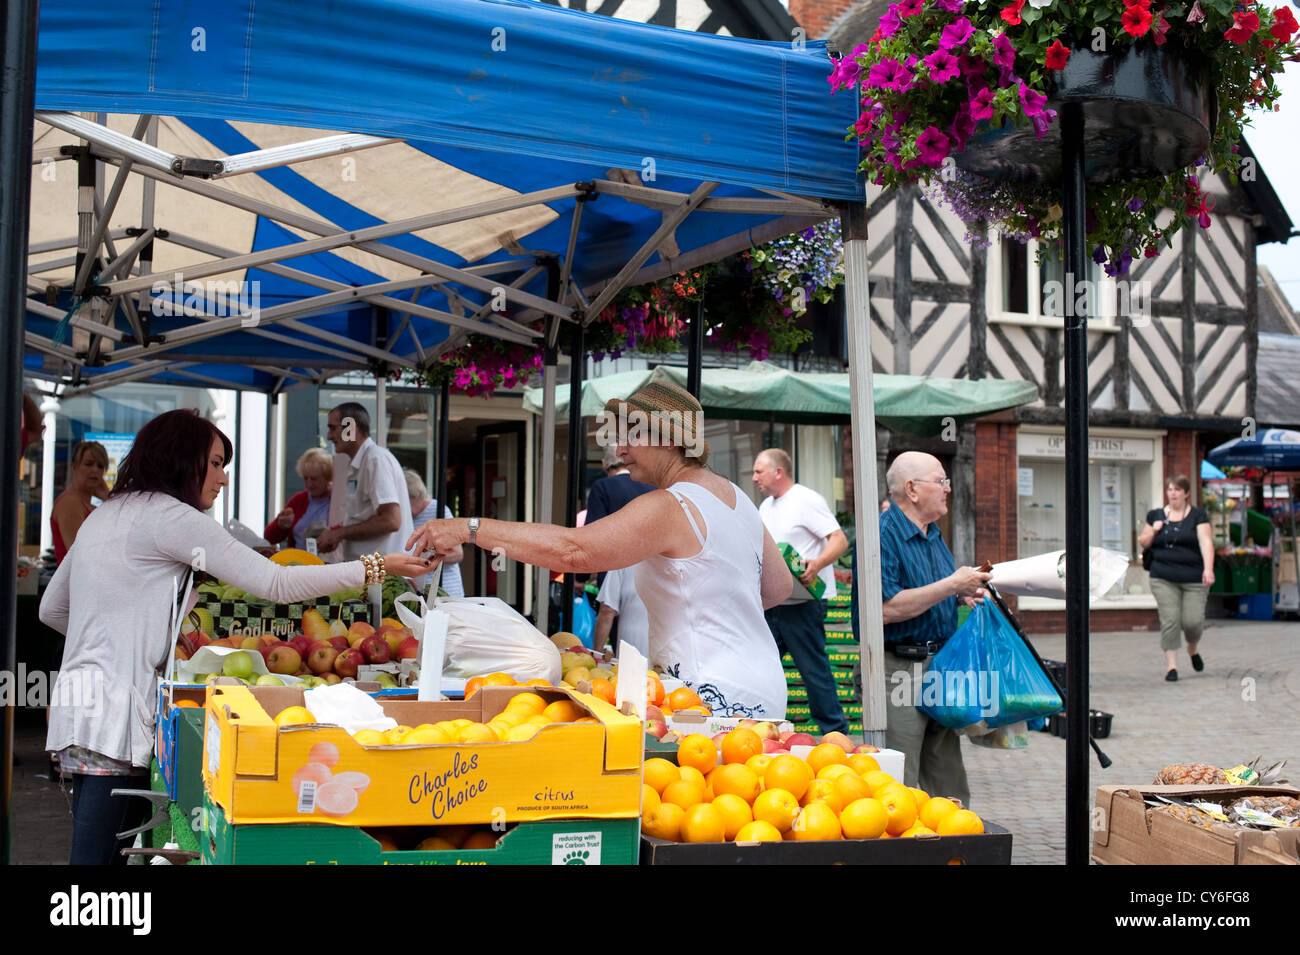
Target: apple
{"type": "Point", "coordinates": [766, 730]}
{"type": "Point", "coordinates": [718, 738]}
{"type": "Point", "coordinates": [386, 681]}
{"type": "Point", "coordinates": [358, 632]}
{"type": "Point", "coordinates": [268, 679]}
{"type": "Point", "coordinates": [865, 748]}
{"type": "Point", "coordinates": [653, 712]}
{"type": "Point", "coordinates": [329, 679]}
{"type": "Point", "coordinates": [239, 665]}
{"type": "Point", "coordinates": [346, 663]}
{"type": "Point", "coordinates": [798, 739]}
{"type": "Point", "coordinates": [321, 658]}
{"type": "Point", "coordinates": [840, 740]}
{"type": "Point", "coordinates": [284, 659]}
{"type": "Point", "coordinates": [310, 682]}
{"type": "Point", "coordinates": [396, 636]}
{"type": "Point", "coordinates": [302, 643]}
{"type": "Point", "coordinates": [250, 643]}
{"type": "Point", "coordinates": [338, 643]}
{"type": "Point", "coordinates": [656, 728]}
{"type": "Point", "coordinates": [410, 649]}
{"type": "Point", "coordinates": [376, 649]}
{"type": "Point", "coordinates": [774, 746]}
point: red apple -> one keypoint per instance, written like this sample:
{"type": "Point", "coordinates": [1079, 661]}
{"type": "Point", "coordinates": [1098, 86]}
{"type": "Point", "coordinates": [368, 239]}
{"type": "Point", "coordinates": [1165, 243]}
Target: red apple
{"type": "Point", "coordinates": [656, 728]}
{"type": "Point", "coordinates": [358, 632]}
{"type": "Point", "coordinates": [346, 663]}
{"type": "Point", "coordinates": [321, 658]}
{"type": "Point", "coordinates": [266, 649]}
{"type": "Point", "coordinates": [798, 739]}
{"type": "Point", "coordinates": [338, 643]}
{"type": "Point", "coordinates": [284, 659]}
{"type": "Point", "coordinates": [302, 643]}
{"type": "Point", "coordinates": [410, 648]}
{"type": "Point", "coordinates": [718, 738]}
{"type": "Point", "coordinates": [376, 649]}
{"type": "Point", "coordinates": [395, 636]}
{"type": "Point", "coordinates": [774, 746]}
{"type": "Point", "coordinates": [766, 730]}
{"type": "Point", "coordinates": [865, 748]}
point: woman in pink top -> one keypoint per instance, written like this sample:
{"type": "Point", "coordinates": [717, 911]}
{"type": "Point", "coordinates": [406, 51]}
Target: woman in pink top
{"type": "Point", "coordinates": [706, 571]}
{"type": "Point", "coordinates": [72, 507]}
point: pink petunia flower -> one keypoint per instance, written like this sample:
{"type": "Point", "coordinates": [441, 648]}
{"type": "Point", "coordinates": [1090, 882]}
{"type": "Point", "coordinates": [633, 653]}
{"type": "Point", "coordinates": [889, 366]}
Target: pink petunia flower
{"type": "Point", "coordinates": [933, 146]}
{"type": "Point", "coordinates": [943, 66]}
{"type": "Point", "coordinates": [956, 33]}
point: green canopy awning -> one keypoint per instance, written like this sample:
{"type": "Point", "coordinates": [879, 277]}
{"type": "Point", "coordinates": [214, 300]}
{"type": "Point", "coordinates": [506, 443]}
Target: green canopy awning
{"type": "Point", "coordinates": [904, 403]}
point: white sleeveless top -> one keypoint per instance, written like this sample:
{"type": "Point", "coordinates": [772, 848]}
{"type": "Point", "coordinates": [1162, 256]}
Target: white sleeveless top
{"type": "Point", "coordinates": [706, 612]}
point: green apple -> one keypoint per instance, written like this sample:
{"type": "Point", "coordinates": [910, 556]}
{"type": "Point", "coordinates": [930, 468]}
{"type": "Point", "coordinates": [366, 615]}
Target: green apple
{"type": "Point", "coordinates": [386, 681]}
{"type": "Point", "coordinates": [212, 677]}
{"type": "Point", "coordinates": [269, 680]}
{"type": "Point", "coordinates": [239, 665]}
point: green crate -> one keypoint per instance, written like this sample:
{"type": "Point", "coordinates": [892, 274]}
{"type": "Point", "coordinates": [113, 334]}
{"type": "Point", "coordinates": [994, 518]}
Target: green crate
{"type": "Point", "coordinates": [796, 693]}
{"type": "Point", "coordinates": [567, 842]}
{"type": "Point", "coordinates": [838, 638]}
{"type": "Point", "coordinates": [1245, 580]}
{"type": "Point", "coordinates": [842, 656]}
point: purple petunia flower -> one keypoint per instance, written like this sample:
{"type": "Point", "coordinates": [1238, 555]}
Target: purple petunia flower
{"type": "Point", "coordinates": [889, 23]}
{"type": "Point", "coordinates": [981, 105]}
{"type": "Point", "coordinates": [909, 8]}
{"type": "Point", "coordinates": [1121, 265]}
{"type": "Point", "coordinates": [933, 146]}
{"type": "Point", "coordinates": [1134, 205]}
{"type": "Point", "coordinates": [963, 126]}
{"type": "Point", "coordinates": [949, 6]}
{"type": "Point", "coordinates": [1004, 54]}
{"type": "Point", "coordinates": [886, 74]}
{"type": "Point", "coordinates": [956, 33]}
{"type": "Point", "coordinates": [1042, 122]}
{"type": "Point", "coordinates": [943, 66]}
{"type": "Point", "coordinates": [1099, 255]}
{"type": "Point", "coordinates": [1032, 101]}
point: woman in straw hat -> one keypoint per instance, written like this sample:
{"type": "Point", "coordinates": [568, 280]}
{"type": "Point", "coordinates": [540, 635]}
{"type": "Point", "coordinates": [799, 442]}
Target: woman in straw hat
{"type": "Point", "coordinates": [706, 569]}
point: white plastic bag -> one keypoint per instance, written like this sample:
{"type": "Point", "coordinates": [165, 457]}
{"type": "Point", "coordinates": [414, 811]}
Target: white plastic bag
{"type": "Point", "coordinates": [430, 629]}
{"type": "Point", "coordinates": [485, 635]}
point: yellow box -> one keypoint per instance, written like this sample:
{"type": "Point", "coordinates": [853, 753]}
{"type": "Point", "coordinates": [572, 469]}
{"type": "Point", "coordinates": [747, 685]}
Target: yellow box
{"type": "Point", "coordinates": [259, 773]}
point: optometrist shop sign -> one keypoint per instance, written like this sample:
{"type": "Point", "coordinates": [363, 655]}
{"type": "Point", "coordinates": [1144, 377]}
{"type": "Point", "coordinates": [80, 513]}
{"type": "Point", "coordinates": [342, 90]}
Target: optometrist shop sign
{"type": "Point", "coordinates": [1102, 447]}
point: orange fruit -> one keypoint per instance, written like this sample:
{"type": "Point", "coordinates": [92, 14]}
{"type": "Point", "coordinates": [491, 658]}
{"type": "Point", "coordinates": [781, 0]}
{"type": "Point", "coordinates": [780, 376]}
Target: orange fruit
{"type": "Point", "coordinates": [778, 807]}
{"type": "Point", "coordinates": [683, 697]}
{"type": "Point", "coordinates": [877, 780]}
{"type": "Point", "coordinates": [434, 844]}
{"type": "Point", "coordinates": [850, 787]}
{"type": "Point", "coordinates": [477, 733]}
{"type": "Point", "coordinates": [537, 682]}
{"type": "Point", "coordinates": [522, 733]}
{"type": "Point", "coordinates": [370, 738]}
{"type": "Point", "coordinates": [698, 751]}
{"type": "Point", "coordinates": [900, 804]}
{"type": "Point", "coordinates": [826, 754]}
{"type": "Point", "coordinates": [481, 840]}
{"type": "Point", "coordinates": [398, 733]}
{"type": "Point", "coordinates": [789, 773]}
{"type": "Point", "coordinates": [649, 797]}
{"type": "Point", "coordinates": [736, 813]}
{"type": "Point", "coordinates": [963, 822]}
{"type": "Point", "coordinates": [758, 831]}
{"type": "Point", "coordinates": [685, 793]}
{"type": "Point", "coordinates": [916, 829]}
{"type": "Point", "coordinates": [817, 822]}
{"type": "Point", "coordinates": [740, 744]}
{"type": "Point", "coordinates": [603, 689]}
{"type": "Point", "coordinates": [654, 690]}
{"type": "Point", "coordinates": [703, 823]}
{"type": "Point", "coordinates": [934, 810]}
{"type": "Point", "coordinates": [864, 819]}
{"type": "Point", "coordinates": [921, 796]}
{"type": "Point", "coordinates": [692, 775]}
{"type": "Point", "coordinates": [472, 686]}
{"type": "Point", "coordinates": [499, 679]}
{"type": "Point", "coordinates": [834, 770]}
{"type": "Point", "coordinates": [759, 764]}
{"type": "Point", "coordinates": [526, 704]}
{"type": "Point", "coordinates": [425, 735]}
{"type": "Point", "coordinates": [563, 711]}
{"type": "Point", "coordinates": [510, 717]}
{"type": "Point", "coordinates": [657, 773]}
{"type": "Point", "coordinates": [736, 780]}
{"type": "Point", "coordinates": [862, 763]}
{"type": "Point", "coordinates": [663, 821]}
{"type": "Point", "coordinates": [823, 790]}
{"type": "Point", "coordinates": [184, 704]}
{"type": "Point", "coordinates": [295, 716]}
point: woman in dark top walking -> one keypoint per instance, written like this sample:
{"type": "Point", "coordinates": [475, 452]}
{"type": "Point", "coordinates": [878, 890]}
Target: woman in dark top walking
{"type": "Point", "coordinates": [1182, 570]}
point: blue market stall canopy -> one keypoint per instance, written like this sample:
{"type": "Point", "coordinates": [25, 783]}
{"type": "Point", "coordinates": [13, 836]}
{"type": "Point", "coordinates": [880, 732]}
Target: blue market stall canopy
{"type": "Point", "coordinates": [1271, 448]}
{"type": "Point", "coordinates": [903, 403]}
{"type": "Point", "coordinates": [500, 165]}
{"type": "Point", "coordinates": [1210, 473]}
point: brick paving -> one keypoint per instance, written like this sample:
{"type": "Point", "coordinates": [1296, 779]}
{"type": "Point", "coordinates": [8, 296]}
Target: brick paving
{"type": "Point", "coordinates": [1244, 704]}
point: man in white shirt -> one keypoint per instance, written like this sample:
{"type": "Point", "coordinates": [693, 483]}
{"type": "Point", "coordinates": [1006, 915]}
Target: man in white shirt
{"type": "Point", "coordinates": [379, 509]}
{"type": "Point", "coordinates": [799, 516]}
{"type": "Point", "coordinates": [618, 598]}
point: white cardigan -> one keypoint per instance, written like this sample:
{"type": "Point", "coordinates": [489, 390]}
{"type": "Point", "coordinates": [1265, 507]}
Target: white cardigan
{"type": "Point", "coordinates": [112, 597]}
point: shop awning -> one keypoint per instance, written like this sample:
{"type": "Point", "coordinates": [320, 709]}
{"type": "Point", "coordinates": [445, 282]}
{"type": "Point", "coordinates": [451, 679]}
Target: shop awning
{"type": "Point", "coordinates": [1271, 448]}
{"type": "Point", "coordinates": [905, 403]}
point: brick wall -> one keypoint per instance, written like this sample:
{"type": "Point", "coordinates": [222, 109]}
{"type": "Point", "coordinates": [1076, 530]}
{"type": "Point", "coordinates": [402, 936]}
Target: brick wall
{"type": "Point", "coordinates": [1182, 457]}
{"type": "Point", "coordinates": [1099, 621]}
{"type": "Point", "coordinates": [816, 16]}
{"type": "Point", "coordinates": [995, 491]}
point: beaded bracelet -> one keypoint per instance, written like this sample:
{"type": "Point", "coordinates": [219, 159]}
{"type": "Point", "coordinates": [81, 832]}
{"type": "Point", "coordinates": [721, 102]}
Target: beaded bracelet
{"type": "Point", "coordinates": [369, 563]}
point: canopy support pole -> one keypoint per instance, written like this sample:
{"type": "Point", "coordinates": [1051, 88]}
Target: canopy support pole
{"type": "Point", "coordinates": [444, 444]}
{"type": "Point", "coordinates": [381, 408]}
{"type": "Point", "coordinates": [577, 456]}
{"type": "Point", "coordinates": [546, 468]}
{"type": "Point", "coordinates": [17, 94]}
{"type": "Point", "coordinates": [695, 354]}
{"type": "Point", "coordinates": [862, 421]}
{"type": "Point", "coordinates": [1074, 202]}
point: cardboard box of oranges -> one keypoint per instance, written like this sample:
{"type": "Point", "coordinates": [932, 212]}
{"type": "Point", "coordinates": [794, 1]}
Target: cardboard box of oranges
{"type": "Point", "coordinates": [566, 755]}
{"type": "Point", "coordinates": [179, 742]}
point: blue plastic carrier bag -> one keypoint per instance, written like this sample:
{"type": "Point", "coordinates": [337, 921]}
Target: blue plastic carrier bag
{"type": "Point", "coordinates": [986, 672]}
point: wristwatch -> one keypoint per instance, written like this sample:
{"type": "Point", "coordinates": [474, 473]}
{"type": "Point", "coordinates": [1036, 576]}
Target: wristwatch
{"type": "Point", "coordinates": [473, 529]}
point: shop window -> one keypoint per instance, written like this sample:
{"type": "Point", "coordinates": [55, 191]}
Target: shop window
{"type": "Point", "coordinates": [1022, 290]}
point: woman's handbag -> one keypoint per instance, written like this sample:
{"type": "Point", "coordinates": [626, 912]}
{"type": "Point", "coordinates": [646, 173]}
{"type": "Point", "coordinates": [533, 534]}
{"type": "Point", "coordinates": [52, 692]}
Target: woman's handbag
{"type": "Point", "coordinates": [1148, 556]}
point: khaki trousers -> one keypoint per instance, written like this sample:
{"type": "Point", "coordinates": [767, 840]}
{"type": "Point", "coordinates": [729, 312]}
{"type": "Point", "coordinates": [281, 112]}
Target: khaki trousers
{"type": "Point", "coordinates": [932, 751]}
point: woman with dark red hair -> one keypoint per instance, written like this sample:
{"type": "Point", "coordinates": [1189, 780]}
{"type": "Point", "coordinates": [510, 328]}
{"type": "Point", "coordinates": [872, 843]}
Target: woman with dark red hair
{"type": "Point", "coordinates": [113, 596]}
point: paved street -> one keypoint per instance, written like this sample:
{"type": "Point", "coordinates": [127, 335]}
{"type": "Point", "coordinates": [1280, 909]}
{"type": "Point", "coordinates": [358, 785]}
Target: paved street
{"type": "Point", "coordinates": [1244, 704]}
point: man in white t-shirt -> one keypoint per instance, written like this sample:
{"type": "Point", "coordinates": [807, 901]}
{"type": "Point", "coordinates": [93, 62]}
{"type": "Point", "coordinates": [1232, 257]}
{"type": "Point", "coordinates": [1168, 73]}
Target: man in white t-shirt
{"type": "Point", "coordinates": [379, 509]}
{"type": "Point", "coordinates": [618, 598]}
{"type": "Point", "coordinates": [799, 516]}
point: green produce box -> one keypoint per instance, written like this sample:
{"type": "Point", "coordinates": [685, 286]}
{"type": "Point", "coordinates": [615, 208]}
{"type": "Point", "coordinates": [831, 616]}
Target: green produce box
{"type": "Point", "coordinates": [568, 842]}
{"type": "Point", "coordinates": [1245, 580]}
{"type": "Point", "coordinates": [843, 656]}
{"type": "Point", "coordinates": [840, 637]}
{"type": "Point", "coordinates": [1222, 574]}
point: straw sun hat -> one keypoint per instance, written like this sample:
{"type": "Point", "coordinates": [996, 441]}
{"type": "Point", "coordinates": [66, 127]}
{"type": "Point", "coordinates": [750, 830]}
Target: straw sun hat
{"type": "Point", "coordinates": [674, 416]}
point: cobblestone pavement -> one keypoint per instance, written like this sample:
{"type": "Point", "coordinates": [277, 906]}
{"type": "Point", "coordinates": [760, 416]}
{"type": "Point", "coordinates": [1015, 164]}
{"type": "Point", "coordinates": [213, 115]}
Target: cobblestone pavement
{"type": "Point", "coordinates": [1245, 703]}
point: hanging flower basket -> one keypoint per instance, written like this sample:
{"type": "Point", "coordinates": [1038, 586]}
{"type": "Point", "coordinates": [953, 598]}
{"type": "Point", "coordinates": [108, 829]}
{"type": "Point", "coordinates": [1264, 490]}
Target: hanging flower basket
{"type": "Point", "coordinates": [961, 97]}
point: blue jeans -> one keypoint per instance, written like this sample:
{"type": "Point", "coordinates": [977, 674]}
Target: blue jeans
{"type": "Point", "coordinates": [97, 817]}
{"type": "Point", "coordinates": [800, 630]}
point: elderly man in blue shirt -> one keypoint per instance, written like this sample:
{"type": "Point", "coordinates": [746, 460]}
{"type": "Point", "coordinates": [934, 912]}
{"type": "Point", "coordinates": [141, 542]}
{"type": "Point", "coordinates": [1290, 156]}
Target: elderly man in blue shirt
{"type": "Point", "coordinates": [920, 586]}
